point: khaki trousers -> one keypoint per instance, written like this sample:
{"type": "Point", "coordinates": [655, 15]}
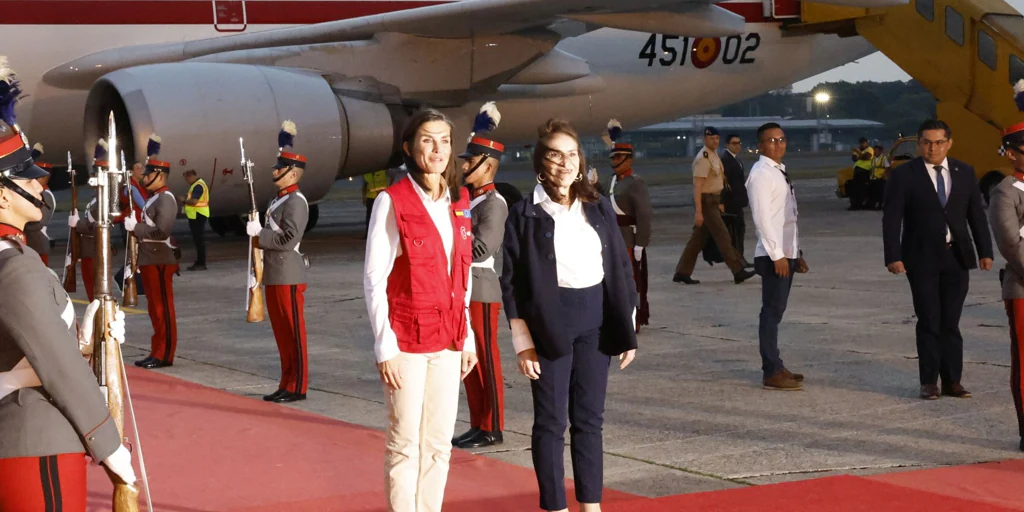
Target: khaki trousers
{"type": "Point", "coordinates": [422, 424]}
{"type": "Point", "coordinates": [713, 227]}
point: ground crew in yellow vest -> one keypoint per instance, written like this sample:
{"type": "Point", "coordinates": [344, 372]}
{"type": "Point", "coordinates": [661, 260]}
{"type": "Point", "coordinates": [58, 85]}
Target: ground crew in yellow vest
{"type": "Point", "coordinates": [197, 209]}
{"type": "Point", "coordinates": [876, 189]}
{"type": "Point", "coordinates": [857, 188]}
{"type": "Point", "coordinates": [373, 184]}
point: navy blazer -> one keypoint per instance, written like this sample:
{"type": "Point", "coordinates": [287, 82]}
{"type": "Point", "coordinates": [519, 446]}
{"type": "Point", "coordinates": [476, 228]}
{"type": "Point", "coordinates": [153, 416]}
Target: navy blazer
{"type": "Point", "coordinates": [529, 279]}
{"type": "Point", "coordinates": [912, 209]}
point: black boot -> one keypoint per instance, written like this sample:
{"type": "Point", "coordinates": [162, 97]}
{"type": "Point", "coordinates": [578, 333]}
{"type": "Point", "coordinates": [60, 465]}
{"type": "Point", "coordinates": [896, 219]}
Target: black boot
{"type": "Point", "coordinates": [680, 278]}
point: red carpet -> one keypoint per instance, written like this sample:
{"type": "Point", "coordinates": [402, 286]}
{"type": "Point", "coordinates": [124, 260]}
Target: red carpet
{"type": "Point", "coordinates": [210, 450]}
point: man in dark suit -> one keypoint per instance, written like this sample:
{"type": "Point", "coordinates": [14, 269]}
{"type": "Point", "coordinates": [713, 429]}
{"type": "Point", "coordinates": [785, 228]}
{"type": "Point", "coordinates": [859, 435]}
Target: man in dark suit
{"type": "Point", "coordinates": [933, 200]}
{"type": "Point", "coordinates": [734, 197]}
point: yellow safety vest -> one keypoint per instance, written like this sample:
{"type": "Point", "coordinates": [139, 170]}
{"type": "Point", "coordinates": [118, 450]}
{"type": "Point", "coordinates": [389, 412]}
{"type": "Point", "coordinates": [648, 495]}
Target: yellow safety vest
{"type": "Point", "coordinates": [376, 182]}
{"type": "Point", "coordinates": [878, 167]}
{"type": "Point", "coordinates": [203, 206]}
{"type": "Point", "coordinates": [865, 164]}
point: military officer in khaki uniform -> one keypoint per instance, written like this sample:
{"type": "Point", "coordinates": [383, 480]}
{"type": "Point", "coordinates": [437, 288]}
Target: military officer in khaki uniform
{"type": "Point", "coordinates": [158, 261]}
{"type": "Point", "coordinates": [708, 182]}
{"type": "Point", "coordinates": [36, 232]}
{"type": "Point", "coordinates": [632, 204]}
{"type": "Point", "coordinates": [51, 409]}
{"type": "Point", "coordinates": [284, 268]}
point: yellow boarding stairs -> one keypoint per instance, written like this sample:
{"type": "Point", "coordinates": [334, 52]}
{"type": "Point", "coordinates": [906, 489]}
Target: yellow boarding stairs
{"type": "Point", "coordinates": [967, 53]}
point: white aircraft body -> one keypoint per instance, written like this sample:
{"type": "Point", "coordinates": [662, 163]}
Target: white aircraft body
{"type": "Point", "coordinates": [203, 73]}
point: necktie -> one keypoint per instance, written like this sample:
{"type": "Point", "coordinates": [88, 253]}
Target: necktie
{"type": "Point", "coordinates": [940, 185]}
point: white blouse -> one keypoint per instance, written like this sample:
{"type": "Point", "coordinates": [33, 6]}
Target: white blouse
{"type": "Point", "coordinates": [383, 246]}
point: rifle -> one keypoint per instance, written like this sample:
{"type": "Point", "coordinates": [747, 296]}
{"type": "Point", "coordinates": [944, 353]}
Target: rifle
{"type": "Point", "coordinates": [72, 253]}
{"type": "Point", "coordinates": [130, 293]}
{"type": "Point", "coordinates": [106, 361]}
{"type": "Point", "coordinates": [254, 296]}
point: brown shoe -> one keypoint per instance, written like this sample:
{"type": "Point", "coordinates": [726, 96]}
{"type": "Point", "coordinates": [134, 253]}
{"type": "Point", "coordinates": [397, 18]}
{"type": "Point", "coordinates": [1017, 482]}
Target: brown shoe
{"type": "Point", "coordinates": [782, 382]}
{"type": "Point", "coordinates": [799, 377]}
{"type": "Point", "coordinates": [956, 391]}
{"type": "Point", "coordinates": [929, 392]}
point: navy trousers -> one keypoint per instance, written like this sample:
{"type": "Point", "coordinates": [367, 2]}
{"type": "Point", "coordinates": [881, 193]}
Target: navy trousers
{"type": "Point", "coordinates": [573, 385]}
{"type": "Point", "coordinates": [774, 298]}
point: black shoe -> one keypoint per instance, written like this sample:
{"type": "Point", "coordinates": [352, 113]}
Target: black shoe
{"type": "Point", "coordinates": [679, 278]}
{"type": "Point", "coordinates": [465, 435]}
{"type": "Point", "coordinates": [197, 266]}
{"type": "Point", "coordinates": [144, 362]}
{"type": "Point", "coordinates": [154, 363]}
{"type": "Point", "coordinates": [481, 439]}
{"type": "Point", "coordinates": [273, 396]}
{"type": "Point", "coordinates": [742, 275]}
{"type": "Point", "coordinates": [747, 264]}
{"type": "Point", "coordinates": [288, 396]}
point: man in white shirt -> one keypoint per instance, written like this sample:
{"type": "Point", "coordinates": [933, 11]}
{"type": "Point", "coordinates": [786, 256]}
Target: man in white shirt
{"type": "Point", "coordinates": [778, 256]}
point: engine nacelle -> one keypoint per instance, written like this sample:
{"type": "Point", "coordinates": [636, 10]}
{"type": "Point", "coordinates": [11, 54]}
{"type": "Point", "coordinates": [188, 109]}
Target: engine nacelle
{"type": "Point", "coordinates": [200, 110]}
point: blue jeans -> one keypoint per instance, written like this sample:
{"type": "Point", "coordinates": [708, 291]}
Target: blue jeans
{"type": "Point", "coordinates": [774, 297]}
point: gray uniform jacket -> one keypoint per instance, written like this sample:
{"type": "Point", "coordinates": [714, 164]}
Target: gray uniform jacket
{"type": "Point", "coordinates": [154, 232]}
{"type": "Point", "coordinates": [35, 232]}
{"type": "Point", "coordinates": [67, 414]}
{"type": "Point", "coordinates": [87, 228]}
{"type": "Point", "coordinates": [286, 222]}
{"type": "Point", "coordinates": [629, 197]}
{"type": "Point", "coordinates": [488, 213]}
{"type": "Point", "coordinates": [1006, 216]}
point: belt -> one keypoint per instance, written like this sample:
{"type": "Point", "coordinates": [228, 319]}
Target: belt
{"type": "Point", "coordinates": [626, 220]}
{"type": "Point", "coordinates": [716, 196]}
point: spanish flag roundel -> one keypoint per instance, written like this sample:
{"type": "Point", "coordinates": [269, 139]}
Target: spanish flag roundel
{"type": "Point", "coordinates": [705, 51]}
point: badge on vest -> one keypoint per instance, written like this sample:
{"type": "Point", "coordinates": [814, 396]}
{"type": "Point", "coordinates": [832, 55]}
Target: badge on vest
{"type": "Point", "coordinates": [463, 213]}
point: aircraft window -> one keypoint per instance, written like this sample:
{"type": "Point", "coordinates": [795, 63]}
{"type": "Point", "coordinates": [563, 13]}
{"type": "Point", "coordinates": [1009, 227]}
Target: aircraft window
{"type": "Point", "coordinates": [954, 26]}
{"type": "Point", "coordinates": [986, 49]}
{"type": "Point", "coordinates": [926, 8]}
{"type": "Point", "coordinates": [1016, 69]}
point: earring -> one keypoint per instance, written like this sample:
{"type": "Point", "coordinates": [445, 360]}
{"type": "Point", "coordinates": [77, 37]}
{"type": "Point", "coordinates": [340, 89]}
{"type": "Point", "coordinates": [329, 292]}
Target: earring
{"type": "Point", "coordinates": [579, 177]}
{"type": "Point", "coordinates": [540, 178]}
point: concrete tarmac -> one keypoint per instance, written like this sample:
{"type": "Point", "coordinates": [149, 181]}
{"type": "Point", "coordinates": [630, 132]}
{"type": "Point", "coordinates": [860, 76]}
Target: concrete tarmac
{"type": "Point", "coordinates": [689, 415]}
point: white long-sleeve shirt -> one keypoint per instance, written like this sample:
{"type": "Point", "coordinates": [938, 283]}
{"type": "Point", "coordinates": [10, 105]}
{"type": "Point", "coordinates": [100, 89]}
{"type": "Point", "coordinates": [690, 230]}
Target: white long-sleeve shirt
{"type": "Point", "coordinates": [773, 207]}
{"type": "Point", "coordinates": [383, 246]}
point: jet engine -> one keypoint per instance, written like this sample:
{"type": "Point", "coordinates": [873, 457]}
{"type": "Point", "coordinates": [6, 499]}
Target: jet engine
{"type": "Point", "coordinates": [200, 110]}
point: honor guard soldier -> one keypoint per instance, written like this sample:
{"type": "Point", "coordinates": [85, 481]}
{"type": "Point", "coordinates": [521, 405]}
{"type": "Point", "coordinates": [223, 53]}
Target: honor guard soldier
{"type": "Point", "coordinates": [158, 259]}
{"type": "Point", "coordinates": [1006, 210]}
{"type": "Point", "coordinates": [284, 268]}
{"type": "Point", "coordinates": [52, 412]}
{"type": "Point", "coordinates": [485, 385]}
{"type": "Point", "coordinates": [86, 228]}
{"type": "Point", "coordinates": [708, 182]}
{"type": "Point", "coordinates": [35, 232]}
{"type": "Point", "coordinates": [632, 204]}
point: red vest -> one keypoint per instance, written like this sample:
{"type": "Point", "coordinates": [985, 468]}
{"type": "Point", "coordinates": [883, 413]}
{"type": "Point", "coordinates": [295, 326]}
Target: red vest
{"type": "Point", "coordinates": [427, 306]}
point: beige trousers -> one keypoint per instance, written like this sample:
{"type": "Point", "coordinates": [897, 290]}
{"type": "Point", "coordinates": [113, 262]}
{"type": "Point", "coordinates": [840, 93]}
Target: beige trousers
{"type": "Point", "coordinates": [422, 423]}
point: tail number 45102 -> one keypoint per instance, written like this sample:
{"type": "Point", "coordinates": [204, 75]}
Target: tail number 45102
{"type": "Point", "coordinates": [703, 51]}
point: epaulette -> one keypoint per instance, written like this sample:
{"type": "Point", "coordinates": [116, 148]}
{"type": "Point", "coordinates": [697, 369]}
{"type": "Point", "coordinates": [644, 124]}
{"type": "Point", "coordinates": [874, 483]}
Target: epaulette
{"type": "Point", "coordinates": [706, 154]}
{"type": "Point", "coordinates": [12, 242]}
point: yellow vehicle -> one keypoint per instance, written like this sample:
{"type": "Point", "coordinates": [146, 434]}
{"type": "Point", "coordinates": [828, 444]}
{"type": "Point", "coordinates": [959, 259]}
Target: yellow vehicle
{"type": "Point", "coordinates": [903, 150]}
{"type": "Point", "coordinates": [906, 149]}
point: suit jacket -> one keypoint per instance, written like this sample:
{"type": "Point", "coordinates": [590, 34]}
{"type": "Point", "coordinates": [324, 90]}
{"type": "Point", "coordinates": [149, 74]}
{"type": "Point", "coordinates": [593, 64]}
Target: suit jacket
{"type": "Point", "coordinates": [282, 262]}
{"type": "Point", "coordinates": [529, 279]}
{"type": "Point", "coordinates": [35, 235]}
{"type": "Point", "coordinates": [489, 213]}
{"type": "Point", "coordinates": [734, 196]}
{"type": "Point", "coordinates": [631, 196]}
{"type": "Point", "coordinates": [1006, 210]}
{"type": "Point", "coordinates": [912, 205]}
{"type": "Point", "coordinates": [155, 241]}
{"type": "Point", "coordinates": [67, 414]}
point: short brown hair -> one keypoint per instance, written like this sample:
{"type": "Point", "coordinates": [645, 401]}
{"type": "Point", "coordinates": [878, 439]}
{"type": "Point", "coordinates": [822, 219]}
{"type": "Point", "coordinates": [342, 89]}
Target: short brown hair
{"type": "Point", "coordinates": [451, 175]}
{"type": "Point", "coordinates": [581, 189]}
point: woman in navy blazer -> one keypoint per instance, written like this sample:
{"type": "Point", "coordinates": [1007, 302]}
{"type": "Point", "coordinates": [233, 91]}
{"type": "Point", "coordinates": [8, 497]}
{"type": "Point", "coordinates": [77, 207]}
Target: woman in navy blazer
{"type": "Point", "coordinates": [568, 291]}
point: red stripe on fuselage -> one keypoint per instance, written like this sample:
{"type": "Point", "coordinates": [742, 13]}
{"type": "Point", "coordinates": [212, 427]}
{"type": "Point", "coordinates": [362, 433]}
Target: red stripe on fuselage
{"type": "Point", "coordinates": [266, 12]}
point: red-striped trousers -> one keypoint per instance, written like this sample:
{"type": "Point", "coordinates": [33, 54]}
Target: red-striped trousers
{"type": "Point", "coordinates": [88, 276]}
{"type": "Point", "coordinates": [55, 483]}
{"type": "Point", "coordinates": [485, 387]}
{"type": "Point", "coordinates": [1015, 312]}
{"type": "Point", "coordinates": [286, 305]}
{"type": "Point", "coordinates": [158, 282]}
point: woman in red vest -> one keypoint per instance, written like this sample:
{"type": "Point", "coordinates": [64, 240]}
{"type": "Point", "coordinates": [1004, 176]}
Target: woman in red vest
{"type": "Point", "coordinates": [568, 290]}
{"type": "Point", "coordinates": [416, 281]}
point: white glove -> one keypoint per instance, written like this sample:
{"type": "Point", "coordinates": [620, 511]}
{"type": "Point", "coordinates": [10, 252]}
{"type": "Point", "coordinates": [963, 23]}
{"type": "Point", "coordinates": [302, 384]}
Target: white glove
{"type": "Point", "coordinates": [252, 281]}
{"type": "Point", "coordinates": [253, 228]}
{"type": "Point", "coordinates": [73, 219]}
{"type": "Point", "coordinates": [116, 326]}
{"type": "Point", "coordinates": [120, 462]}
{"type": "Point", "coordinates": [85, 332]}
{"type": "Point", "coordinates": [638, 252]}
{"type": "Point", "coordinates": [130, 223]}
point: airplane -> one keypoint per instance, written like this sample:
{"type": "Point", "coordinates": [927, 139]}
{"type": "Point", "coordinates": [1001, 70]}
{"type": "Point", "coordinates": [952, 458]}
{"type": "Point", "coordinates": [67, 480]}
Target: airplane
{"type": "Point", "coordinates": [203, 73]}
